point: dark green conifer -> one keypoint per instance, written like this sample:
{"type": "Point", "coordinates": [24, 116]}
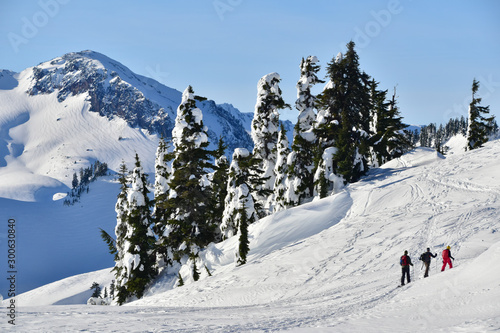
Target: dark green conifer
{"type": "Point", "coordinates": [343, 122]}
{"type": "Point", "coordinates": [189, 227]}
{"type": "Point", "coordinates": [218, 188]}
{"type": "Point", "coordinates": [479, 125]}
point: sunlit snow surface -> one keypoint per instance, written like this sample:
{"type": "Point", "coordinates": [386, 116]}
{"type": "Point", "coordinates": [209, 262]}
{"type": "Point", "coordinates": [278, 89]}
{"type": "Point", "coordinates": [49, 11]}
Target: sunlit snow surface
{"type": "Point", "coordinates": [328, 266]}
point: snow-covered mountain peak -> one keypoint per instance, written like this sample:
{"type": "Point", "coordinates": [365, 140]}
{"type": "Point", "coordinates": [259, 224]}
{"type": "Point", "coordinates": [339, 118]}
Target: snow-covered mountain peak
{"type": "Point", "coordinates": [68, 112]}
{"type": "Point", "coordinates": [112, 89]}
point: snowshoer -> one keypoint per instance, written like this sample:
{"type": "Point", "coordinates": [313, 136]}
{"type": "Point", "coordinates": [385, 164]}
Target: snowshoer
{"type": "Point", "coordinates": [447, 258]}
{"type": "Point", "coordinates": [426, 258]}
{"type": "Point", "coordinates": [405, 263]}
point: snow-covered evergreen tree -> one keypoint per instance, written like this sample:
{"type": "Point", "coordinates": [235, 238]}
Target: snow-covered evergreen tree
{"type": "Point", "coordinates": [327, 122]}
{"type": "Point", "coordinates": [121, 209]}
{"type": "Point", "coordinates": [479, 126]}
{"type": "Point", "coordinates": [138, 261]}
{"type": "Point", "coordinates": [188, 228]}
{"type": "Point", "coordinates": [218, 180]}
{"type": "Point", "coordinates": [239, 195]}
{"type": "Point", "coordinates": [343, 119]}
{"type": "Point", "coordinates": [161, 192]}
{"type": "Point", "coordinates": [326, 129]}
{"type": "Point", "coordinates": [387, 140]}
{"type": "Point", "coordinates": [162, 169]}
{"type": "Point", "coordinates": [300, 182]}
{"type": "Point", "coordinates": [281, 171]}
{"type": "Point", "coordinates": [265, 127]}
{"type": "Point", "coordinates": [306, 101]}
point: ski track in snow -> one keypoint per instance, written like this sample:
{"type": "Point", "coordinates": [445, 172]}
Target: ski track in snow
{"type": "Point", "coordinates": [343, 275]}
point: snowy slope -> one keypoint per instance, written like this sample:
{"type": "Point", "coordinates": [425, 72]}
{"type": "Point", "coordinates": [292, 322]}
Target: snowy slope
{"type": "Point", "coordinates": [333, 265]}
{"type": "Point", "coordinates": [56, 241]}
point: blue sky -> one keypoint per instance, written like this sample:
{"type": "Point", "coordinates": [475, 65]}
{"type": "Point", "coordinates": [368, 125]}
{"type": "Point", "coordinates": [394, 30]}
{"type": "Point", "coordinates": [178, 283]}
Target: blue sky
{"type": "Point", "coordinates": [431, 51]}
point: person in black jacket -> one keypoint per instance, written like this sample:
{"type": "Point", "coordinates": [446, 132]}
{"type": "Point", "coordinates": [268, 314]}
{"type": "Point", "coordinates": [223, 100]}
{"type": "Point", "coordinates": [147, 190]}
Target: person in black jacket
{"type": "Point", "coordinates": [426, 258]}
{"type": "Point", "coordinates": [405, 267]}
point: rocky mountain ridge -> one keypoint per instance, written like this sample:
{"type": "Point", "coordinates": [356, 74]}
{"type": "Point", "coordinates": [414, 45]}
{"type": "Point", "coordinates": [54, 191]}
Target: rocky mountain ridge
{"type": "Point", "coordinates": [115, 91]}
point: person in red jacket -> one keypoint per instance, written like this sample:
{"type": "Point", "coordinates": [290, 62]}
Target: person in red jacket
{"type": "Point", "coordinates": [405, 262]}
{"type": "Point", "coordinates": [447, 258]}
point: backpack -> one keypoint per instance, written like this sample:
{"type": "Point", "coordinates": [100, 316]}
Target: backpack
{"type": "Point", "coordinates": [404, 260]}
{"type": "Point", "coordinates": [425, 257]}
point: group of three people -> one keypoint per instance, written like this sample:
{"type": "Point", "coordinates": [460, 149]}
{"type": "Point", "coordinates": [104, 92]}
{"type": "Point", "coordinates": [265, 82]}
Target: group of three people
{"type": "Point", "coordinates": [426, 258]}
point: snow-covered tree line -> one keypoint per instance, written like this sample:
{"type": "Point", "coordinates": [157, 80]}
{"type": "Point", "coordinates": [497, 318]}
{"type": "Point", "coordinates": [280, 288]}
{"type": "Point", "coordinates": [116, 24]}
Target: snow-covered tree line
{"type": "Point", "coordinates": [81, 185]}
{"type": "Point", "coordinates": [200, 198]}
{"type": "Point", "coordinates": [482, 128]}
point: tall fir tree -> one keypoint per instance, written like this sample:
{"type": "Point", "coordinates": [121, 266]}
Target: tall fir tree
{"type": "Point", "coordinates": [344, 122]}
{"type": "Point", "coordinates": [121, 209]}
{"type": "Point", "coordinates": [326, 129]}
{"type": "Point", "coordinates": [328, 119]}
{"type": "Point", "coordinates": [378, 105]}
{"type": "Point", "coordinates": [162, 170]}
{"type": "Point", "coordinates": [161, 215]}
{"type": "Point", "coordinates": [137, 264]}
{"type": "Point", "coordinates": [187, 226]}
{"type": "Point", "coordinates": [281, 171]}
{"type": "Point", "coordinates": [352, 155]}
{"type": "Point", "coordinates": [239, 194]}
{"type": "Point", "coordinates": [218, 180]}
{"type": "Point", "coordinates": [300, 182]}
{"type": "Point", "coordinates": [388, 140]}
{"type": "Point", "coordinates": [397, 136]}
{"type": "Point", "coordinates": [139, 241]}
{"type": "Point", "coordinates": [479, 126]}
{"type": "Point", "coordinates": [265, 127]}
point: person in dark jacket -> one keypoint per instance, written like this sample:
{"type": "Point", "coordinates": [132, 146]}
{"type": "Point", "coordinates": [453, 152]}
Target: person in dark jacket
{"type": "Point", "coordinates": [447, 258]}
{"type": "Point", "coordinates": [405, 267]}
{"type": "Point", "coordinates": [426, 258]}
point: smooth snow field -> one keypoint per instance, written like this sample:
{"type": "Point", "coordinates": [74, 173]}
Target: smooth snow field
{"type": "Point", "coordinates": [328, 266]}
